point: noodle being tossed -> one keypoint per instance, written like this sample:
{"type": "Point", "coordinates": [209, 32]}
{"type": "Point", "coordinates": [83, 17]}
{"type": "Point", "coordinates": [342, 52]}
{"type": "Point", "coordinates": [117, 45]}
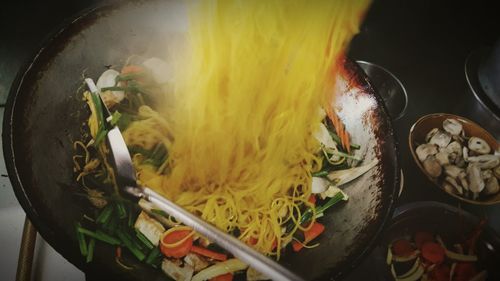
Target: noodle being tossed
{"type": "Point", "coordinates": [245, 137]}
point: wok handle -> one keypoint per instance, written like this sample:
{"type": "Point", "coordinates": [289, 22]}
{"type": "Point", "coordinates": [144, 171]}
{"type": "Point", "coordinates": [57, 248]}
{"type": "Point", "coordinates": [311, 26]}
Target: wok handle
{"type": "Point", "coordinates": [25, 261]}
{"type": "Point", "coordinates": [240, 250]}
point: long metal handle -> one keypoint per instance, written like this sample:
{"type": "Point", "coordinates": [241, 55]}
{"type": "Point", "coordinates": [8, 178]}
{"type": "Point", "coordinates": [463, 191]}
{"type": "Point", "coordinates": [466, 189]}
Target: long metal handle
{"type": "Point", "coordinates": [261, 263]}
{"type": "Point", "coordinates": [25, 260]}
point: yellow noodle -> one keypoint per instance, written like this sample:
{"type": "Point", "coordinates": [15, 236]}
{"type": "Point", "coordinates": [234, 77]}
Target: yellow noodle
{"type": "Point", "coordinates": [248, 88]}
{"type": "Point", "coordinates": [247, 94]}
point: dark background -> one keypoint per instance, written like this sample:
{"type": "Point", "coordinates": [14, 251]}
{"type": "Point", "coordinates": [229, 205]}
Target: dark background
{"type": "Point", "coordinates": [424, 43]}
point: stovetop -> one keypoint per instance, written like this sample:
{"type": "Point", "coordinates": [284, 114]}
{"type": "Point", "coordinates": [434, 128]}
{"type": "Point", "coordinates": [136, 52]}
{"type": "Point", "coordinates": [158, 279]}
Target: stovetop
{"type": "Point", "coordinates": [424, 43]}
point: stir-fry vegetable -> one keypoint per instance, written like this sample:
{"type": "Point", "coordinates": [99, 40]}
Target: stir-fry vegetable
{"type": "Point", "coordinates": [425, 256]}
{"type": "Point", "coordinates": [151, 235]}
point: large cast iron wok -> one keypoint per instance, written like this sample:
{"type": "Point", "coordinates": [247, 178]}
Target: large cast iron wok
{"type": "Point", "coordinates": [45, 115]}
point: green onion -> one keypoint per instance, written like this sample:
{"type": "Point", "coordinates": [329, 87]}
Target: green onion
{"type": "Point", "coordinates": [134, 88]}
{"type": "Point", "coordinates": [90, 254]}
{"type": "Point", "coordinates": [153, 255]}
{"type": "Point", "coordinates": [101, 131]}
{"type": "Point", "coordinates": [144, 239]}
{"type": "Point", "coordinates": [339, 153]}
{"type": "Point", "coordinates": [307, 216]}
{"type": "Point", "coordinates": [336, 138]}
{"type": "Point", "coordinates": [322, 173]}
{"type": "Point", "coordinates": [129, 244]}
{"type": "Point", "coordinates": [81, 241]}
{"type": "Point", "coordinates": [122, 213]}
{"type": "Point", "coordinates": [99, 235]}
{"type": "Point", "coordinates": [130, 217]}
{"type": "Point", "coordinates": [105, 215]}
{"type": "Point", "coordinates": [115, 117]}
{"type": "Point", "coordinates": [159, 212]}
{"type": "Point", "coordinates": [332, 201]}
{"type": "Point", "coordinates": [112, 225]}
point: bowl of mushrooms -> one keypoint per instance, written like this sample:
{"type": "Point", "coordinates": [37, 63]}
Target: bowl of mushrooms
{"type": "Point", "coordinates": [459, 156]}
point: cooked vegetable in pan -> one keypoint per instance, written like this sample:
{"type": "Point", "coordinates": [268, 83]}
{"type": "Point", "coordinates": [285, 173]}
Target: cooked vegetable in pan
{"type": "Point", "coordinates": [246, 138]}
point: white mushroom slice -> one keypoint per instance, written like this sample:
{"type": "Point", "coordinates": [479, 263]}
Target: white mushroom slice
{"type": "Point", "coordinates": [452, 171]}
{"type": "Point", "coordinates": [452, 126]}
{"type": "Point", "coordinates": [432, 167]}
{"type": "Point", "coordinates": [449, 188]}
{"type": "Point", "coordinates": [441, 139]}
{"type": "Point", "coordinates": [487, 161]}
{"type": "Point", "coordinates": [347, 175]}
{"type": "Point", "coordinates": [254, 275]}
{"type": "Point", "coordinates": [443, 158]}
{"type": "Point", "coordinates": [476, 183]}
{"type": "Point", "coordinates": [454, 158]}
{"type": "Point", "coordinates": [486, 174]}
{"type": "Point", "coordinates": [319, 185]}
{"type": "Point", "coordinates": [177, 272]}
{"type": "Point", "coordinates": [430, 134]}
{"type": "Point", "coordinates": [108, 79]}
{"type": "Point", "coordinates": [479, 145]}
{"type": "Point", "coordinates": [455, 185]}
{"type": "Point", "coordinates": [161, 71]}
{"type": "Point", "coordinates": [198, 263]}
{"type": "Point", "coordinates": [465, 153]}
{"type": "Point", "coordinates": [149, 227]}
{"type": "Point", "coordinates": [459, 139]}
{"type": "Point", "coordinates": [496, 172]}
{"type": "Point", "coordinates": [462, 177]}
{"type": "Point", "coordinates": [424, 150]}
{"type": "Point", "coordinates": [460, 162]}
{"type": "Point", "coordinates": [454, 147]}
{"type": "Point", "coordinates": [492, 186]}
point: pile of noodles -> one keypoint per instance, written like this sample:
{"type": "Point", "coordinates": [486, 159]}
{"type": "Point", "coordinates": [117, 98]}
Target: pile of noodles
{"type": "Point", "coordinates": [248, 90]}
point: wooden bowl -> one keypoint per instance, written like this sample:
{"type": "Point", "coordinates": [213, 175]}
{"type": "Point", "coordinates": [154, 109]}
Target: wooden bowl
{"type": "Point", "coordinates": [426, 123]}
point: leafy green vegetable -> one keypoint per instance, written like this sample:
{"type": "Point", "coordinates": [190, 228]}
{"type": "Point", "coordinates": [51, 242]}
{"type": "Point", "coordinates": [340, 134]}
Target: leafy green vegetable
{"type": "Point", "coordinates": [99, 235]}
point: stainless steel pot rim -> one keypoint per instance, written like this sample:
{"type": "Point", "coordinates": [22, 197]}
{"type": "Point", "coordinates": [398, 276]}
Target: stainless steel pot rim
{"type": "Point", "coordinates": [403, 111]}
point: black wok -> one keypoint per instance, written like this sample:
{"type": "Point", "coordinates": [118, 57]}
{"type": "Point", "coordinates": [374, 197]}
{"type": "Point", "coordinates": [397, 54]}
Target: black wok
{"type": "Point", "coordinates": [45, 114]}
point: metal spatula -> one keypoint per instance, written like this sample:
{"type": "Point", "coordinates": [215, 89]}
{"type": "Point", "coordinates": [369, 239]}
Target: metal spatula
{"type": "Point", "coordinates": [126, 179]}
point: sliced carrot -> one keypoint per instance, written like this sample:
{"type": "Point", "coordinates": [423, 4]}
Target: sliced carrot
{"type": "Point", "coordinates": [312, 199]}
{"type": "Point", "coordinates": [422, 237]}
{"type": "Point", "coordinates": [433, 252]}
{"type": "Point", "coordinates": [208, 253]}
{"type": "Point", "coordinates": [223, 277]}
{"type": "Point", "coordinates": [296, 246]}
{"type": "Point", "coordinates": [402, 248]}
{"type": "Point", "coordinates": [252, 241]}
{"type": "Point", "coordinates": [132, 68]}
{"type": "Point", "coordinates": [339, 128]}
{"type": "Point", "coordinates": [179, 250]}
{"type": "Point", "coordinates": [315, 230]}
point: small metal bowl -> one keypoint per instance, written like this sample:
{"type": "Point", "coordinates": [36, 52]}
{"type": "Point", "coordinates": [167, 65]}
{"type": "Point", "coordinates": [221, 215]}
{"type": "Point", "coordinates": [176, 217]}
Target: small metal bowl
{"type": "Point", "coordinates": [451, 223]}
{"type": "Point", "coordinates": [426, 123]}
